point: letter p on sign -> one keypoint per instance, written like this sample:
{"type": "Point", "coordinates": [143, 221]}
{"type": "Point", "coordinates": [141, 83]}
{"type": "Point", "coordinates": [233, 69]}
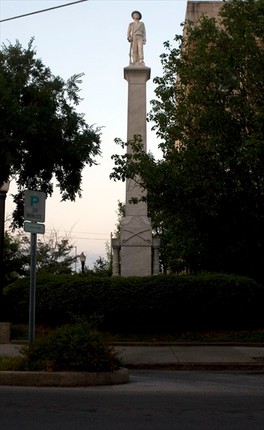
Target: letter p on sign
{"type": "Point", "coordinates": [34, 200]}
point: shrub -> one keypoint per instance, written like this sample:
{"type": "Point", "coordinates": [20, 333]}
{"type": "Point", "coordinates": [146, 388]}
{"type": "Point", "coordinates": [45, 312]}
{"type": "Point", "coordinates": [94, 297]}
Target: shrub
{"type": "Point", "coordinates": [73, 348]}
{"type": "Point", "coordinates": [140, 305]}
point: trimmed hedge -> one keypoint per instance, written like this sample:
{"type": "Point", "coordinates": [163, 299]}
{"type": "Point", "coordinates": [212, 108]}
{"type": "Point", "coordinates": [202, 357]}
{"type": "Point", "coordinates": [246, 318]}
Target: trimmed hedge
{"type": "Point", "coordinates": [151, 304]}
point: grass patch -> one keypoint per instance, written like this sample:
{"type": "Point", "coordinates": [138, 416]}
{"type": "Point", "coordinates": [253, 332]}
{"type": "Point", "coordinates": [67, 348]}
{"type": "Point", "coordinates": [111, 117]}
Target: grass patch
{"type": "Point", "coordinates": [12, 363]}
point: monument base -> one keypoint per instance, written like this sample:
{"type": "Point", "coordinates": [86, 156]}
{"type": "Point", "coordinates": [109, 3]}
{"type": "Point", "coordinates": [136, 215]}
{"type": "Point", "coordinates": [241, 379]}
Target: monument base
{"type": "Point", "coordinates": [136, 261]}
{"type": "Point", "coordinates": [135, 252]}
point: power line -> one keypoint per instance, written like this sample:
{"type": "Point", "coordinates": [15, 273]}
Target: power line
{"type": "Point", "coordinates": [85, 232]}
{"type": "Point", "coordinates": [68, 233]}
{"type": "Point", "coordinates": [43, 10]}
{"type": "Point", "coordinates": [88, 238]}
{"type": "Point", "coordinates": [106, 238]}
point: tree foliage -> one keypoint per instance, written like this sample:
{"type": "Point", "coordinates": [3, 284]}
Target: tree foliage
{"type": "Point", "coordinates": [53, 255]}
{"type": "Point", "coordinates": [207, 191]}
{"type": "Point", "coordinates": [15, 257]}
{"type": "Point", "coordinates": [103, 265]}
{"type": "Point", "coordinates": [42, 136]}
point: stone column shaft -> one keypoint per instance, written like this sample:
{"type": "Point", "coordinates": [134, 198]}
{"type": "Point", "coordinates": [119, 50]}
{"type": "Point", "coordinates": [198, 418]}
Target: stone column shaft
{"type": "Point", "coordinates": [136, 76]}
{"type": "Point", "coordinates": [135, 228]}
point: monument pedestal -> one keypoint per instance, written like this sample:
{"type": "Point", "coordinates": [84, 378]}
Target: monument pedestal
{"type": "Point", "coordinates": [136, 251]}
{"type": "Point", "coordinates": [136, 246]}
{"type": "Point", "coordinates": [133, 251]}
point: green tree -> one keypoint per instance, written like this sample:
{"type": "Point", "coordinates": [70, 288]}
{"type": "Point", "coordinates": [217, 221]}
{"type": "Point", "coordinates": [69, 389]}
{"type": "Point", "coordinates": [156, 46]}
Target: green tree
{"type": "Point", "coordinates": [15, 257]}
{"type": "Point", "coordinates": [54, 255]}
{"type": "Point", "coordinates": [121, 209]}
{"type": "Point", "coordinates": [42, 137]}
{"type": "Point", "coordinates": [103, 265]}
{"type": "Point", "coordinates": [207, 191]}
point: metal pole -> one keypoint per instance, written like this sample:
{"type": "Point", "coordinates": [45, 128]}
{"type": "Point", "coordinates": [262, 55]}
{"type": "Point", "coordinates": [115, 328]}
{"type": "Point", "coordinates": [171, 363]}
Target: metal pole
{"type": "Point", "coordinates": [32, 293]}
{"type": "Point", "coordinates": [2, 238]}
{"type": "Point", "coordinates": [75, 259]}
{"type": "Point", "coordinates": [2, 222]}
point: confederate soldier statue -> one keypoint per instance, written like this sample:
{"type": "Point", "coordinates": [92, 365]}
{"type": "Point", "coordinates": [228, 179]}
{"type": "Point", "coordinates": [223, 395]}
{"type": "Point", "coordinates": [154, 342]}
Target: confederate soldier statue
{"type": "Point", "coordinates": [136, 35]}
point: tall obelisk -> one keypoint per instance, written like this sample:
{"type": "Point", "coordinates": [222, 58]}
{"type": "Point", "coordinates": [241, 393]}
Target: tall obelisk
{"type": "Point", "coordinates": [135, 252]}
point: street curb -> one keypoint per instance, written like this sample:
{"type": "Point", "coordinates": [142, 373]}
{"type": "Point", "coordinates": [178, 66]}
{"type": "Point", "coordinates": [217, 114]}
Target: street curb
{"type": "Point", "coordinates": [63, 379]}
{"type": "Point", "coordinates": [196, 366]}
{"type": "Point", "coordinates": [188, 344]}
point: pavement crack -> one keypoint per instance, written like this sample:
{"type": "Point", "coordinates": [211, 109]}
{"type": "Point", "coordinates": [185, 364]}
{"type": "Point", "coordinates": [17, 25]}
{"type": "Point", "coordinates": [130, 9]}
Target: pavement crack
{"type": "Point", "coordinates": [173, 353]}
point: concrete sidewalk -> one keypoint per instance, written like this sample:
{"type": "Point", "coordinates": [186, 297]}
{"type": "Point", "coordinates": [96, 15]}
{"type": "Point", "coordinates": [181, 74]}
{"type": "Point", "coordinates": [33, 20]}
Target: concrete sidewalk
{"type": "Point", "coordinates": [192, 357]}
{"type": "Point", "coordinates": [215, 357]}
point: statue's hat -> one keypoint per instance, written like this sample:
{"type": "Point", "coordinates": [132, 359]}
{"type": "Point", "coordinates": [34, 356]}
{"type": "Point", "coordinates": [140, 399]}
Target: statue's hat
{"type": "Point", "coordinates": [136, 11]}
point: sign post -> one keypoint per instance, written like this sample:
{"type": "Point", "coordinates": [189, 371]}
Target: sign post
{"type": "Point", "coordinates": [32, 290]}
{"type": "Point", "coordinates": [34, 211]}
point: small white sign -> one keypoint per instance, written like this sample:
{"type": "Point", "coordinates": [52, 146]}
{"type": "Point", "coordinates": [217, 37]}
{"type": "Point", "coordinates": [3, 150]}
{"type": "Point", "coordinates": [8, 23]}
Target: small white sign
{"type": "Point", "coordinates": [33, 227]}
{"type": "Point", "coordinates": [34, 208]}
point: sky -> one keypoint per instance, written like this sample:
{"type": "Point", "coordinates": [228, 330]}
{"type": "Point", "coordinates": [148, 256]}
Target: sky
{"type": "Point", "coordinates": [90, 37]}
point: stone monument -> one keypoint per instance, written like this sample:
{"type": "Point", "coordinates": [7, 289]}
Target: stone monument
{"type": "Point", "coordinates": [136, 251]}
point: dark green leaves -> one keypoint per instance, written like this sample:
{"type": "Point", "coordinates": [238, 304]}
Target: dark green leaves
{"type": "Point", "coordinates": [42, 136]}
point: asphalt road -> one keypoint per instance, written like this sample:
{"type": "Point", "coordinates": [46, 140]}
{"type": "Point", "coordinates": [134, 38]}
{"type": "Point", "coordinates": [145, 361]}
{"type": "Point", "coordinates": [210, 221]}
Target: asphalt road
{"type": "Point", "coordinates": [153, 400]}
